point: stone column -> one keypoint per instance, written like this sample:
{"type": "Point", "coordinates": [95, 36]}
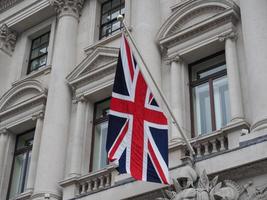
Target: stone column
{"type": "Point", "coordinates": [146, 23]}
{"type": "Point", "coordinates": [78, 139]}
{"type": "Point", "coordinates": [52, 155]}
{"type": "Point", "coordinates": [254, 28]}
{"type": "Point", "coordinates": [35, 150]}
{"type": "Point", "coordinates": [176, 93]}
{"type": "Point", "coordinates": [233, 76]}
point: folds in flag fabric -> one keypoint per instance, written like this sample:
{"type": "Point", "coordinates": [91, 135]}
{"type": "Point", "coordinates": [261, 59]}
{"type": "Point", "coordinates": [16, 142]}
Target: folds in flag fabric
{"type": "Point", "coordinates": [138, 131]}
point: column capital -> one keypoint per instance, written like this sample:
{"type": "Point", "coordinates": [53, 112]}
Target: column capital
{"type": "Point", "coordinates": [230, 35]}
{"type": "Point", "coordinates": [81, 99]}
{"type": "Point", "coordinates": [4, 131]}
{"type": "Point", "coordinates": [39, 115]}
{"type": "Point", "coordinates": [68, 7]}
{"type": "Point", "coordinates": [176, 58]}
{"type": "Point", "coordinates": [8, 39]}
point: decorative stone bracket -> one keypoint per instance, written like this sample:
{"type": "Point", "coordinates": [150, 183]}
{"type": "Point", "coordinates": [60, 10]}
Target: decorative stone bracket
{"type": "Point", "coordinates": [8, 39]}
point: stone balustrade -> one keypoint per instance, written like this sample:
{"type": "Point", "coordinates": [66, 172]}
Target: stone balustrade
{"type": "Point", "coordinates": [210, 144]}
{"type": "Point", "coordinates": [5, 4]}
{"type": "Point", "coordinates": [96, 181]}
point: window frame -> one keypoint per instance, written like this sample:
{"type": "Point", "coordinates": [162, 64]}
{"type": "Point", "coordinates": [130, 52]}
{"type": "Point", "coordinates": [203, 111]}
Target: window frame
{"type": "Point", "coordinates": [26, 150]}
{"type": "Point", "coordinates": [209, 79]}
{"type": "Point", "coordinates": [101, 26]}
{"type": "Point", "coordinates": [38, 57]}
{"type": "Point", "coordinates": [95, 123]}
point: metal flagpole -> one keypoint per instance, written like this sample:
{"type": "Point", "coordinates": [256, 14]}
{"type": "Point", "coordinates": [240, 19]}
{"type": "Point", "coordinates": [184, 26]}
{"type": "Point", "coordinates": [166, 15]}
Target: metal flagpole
{"type": "Point", "coordinates": [160, 93]}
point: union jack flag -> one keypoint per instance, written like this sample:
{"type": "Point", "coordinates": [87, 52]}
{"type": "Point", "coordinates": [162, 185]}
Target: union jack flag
{"type": "Point", "coordinates": [138, 130]}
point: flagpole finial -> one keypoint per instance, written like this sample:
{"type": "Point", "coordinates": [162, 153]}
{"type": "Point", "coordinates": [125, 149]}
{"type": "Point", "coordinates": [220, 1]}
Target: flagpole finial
{"type": "Point", "coordinates": [120, 18]}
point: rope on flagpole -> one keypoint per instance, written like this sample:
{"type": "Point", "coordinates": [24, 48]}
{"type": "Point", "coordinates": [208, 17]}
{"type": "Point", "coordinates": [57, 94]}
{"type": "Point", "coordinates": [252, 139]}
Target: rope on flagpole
{"type": "Point", "coordinates": [160, 93]}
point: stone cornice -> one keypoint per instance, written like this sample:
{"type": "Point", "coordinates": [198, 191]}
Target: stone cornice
{"type": "Point", "coordinates": [68, 7]}
{"type": "Point", "coordinates": [8, 39]}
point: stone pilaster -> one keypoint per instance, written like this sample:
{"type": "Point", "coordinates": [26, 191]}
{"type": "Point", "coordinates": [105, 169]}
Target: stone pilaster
{"type": "Point", "coordinates": [254, 28]}
{"type": "Point", "coordinates": [233, 75]}
{"type": "Point", "coordinates": [35, 150]}
{"type": "Point", "coordinates": [8, 39]}
{"type": "Point", "coordinates": [77, 138]}
{"type": "Point", "coordinates": [54, 144]}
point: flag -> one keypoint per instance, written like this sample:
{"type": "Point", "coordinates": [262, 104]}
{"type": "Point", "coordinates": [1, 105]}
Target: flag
{"type": "Point", "coordinates": [138, 130]}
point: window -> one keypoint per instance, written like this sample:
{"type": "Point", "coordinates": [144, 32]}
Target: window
{"type": "Point", "coordinates": [38, 54]}
{"type": "Point", "coordinates": [109, 11]}
{"type": "Point", "coordinates": [99, 154]}
{"type": "Point", "coordinates": [21, 164]}
{"type": "Point", "coordinates": [210, 107]}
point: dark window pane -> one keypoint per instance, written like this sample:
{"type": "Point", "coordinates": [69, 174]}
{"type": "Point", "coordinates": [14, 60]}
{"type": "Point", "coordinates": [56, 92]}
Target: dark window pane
{"type": "Point", "coordinates": [115, 3]}
{"type": "Point", "coordinates": [45, 38]}
{"type": "Point", "coordinates": [25, 140]}
{"type": "Point", "coordinates": [36, 43]}
{"type": "Point", "coordinates": [123, 10]}
{"type": "Point", "coordinates": [35, 53]}
{"type": "Point", "coordinates": [34, 64]}
{"type": "Point", "coordinates": [106, 7]}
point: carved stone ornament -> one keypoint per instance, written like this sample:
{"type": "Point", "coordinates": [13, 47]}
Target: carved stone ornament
{"type": "Point", "coordinates": [8, 39]}
{"type": "Point", "coordinates": [190, 186]}
{"type": "Point", "coordinates": [231, 35]}
{"type": "Point", "coordinates": [68, 7]}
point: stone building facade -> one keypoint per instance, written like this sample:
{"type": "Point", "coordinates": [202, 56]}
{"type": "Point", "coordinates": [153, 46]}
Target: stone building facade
{"type": "Point", "coordinates": [57, 64]}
